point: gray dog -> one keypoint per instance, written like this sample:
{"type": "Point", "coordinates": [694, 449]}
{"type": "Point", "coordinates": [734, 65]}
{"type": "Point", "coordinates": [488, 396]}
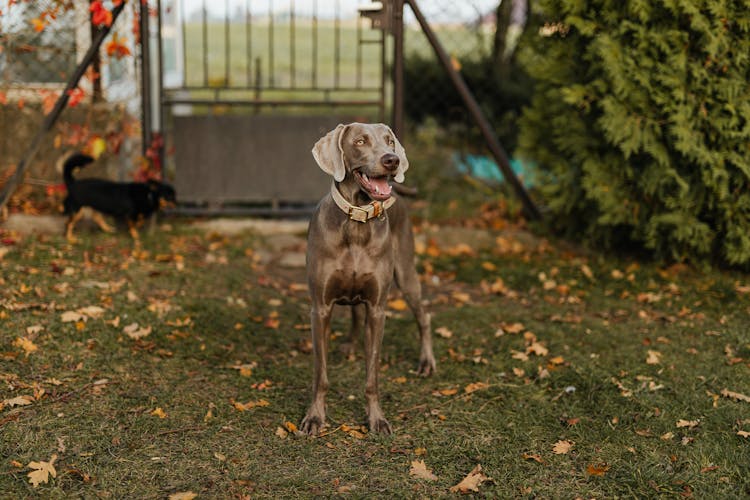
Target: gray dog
{"type": "Point", "coordinates": [359, 240]}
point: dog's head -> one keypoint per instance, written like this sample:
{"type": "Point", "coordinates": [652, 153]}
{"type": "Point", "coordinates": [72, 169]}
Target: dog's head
{"type": "Point", "coordinates": [165, 194]}
{"type": "Point", "coordinates": [369, 154]}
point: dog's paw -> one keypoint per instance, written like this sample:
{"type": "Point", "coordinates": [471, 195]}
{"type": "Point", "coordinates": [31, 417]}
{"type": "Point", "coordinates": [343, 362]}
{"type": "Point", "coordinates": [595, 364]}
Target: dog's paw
{"type": "Point", "coordinates": [426, 367]}
{"type": "Point", "coordinates": [312, 425]}
{"type": "Point", "coordinates": [381, 426]}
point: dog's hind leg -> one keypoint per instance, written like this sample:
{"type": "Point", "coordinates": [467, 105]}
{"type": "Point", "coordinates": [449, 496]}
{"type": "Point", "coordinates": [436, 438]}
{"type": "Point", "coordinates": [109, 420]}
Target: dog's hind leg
{"type": "Point", "coordinates": [75, 216]}
{"type": "Point", "coordinates": [408, 281]}
{"type": "Point", "coordinates": [99, 220]}
{"type": "Point", "coordinates": [355, 333]}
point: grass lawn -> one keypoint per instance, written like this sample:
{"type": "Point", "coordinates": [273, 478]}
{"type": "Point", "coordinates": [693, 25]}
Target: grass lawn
{"type": "Point", "coordinates": [563, 374]}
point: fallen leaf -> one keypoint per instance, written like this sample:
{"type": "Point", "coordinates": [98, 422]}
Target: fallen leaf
{"type": "Point", "coordinates": [562, 447]}
{"type": "Point", "coordinates": [290, 427]}
{"type": "Point", "coordinates": [72, 316]}
{"type": "Point", "coordinates": [471, 482]}
{"type": "Point", "coordinates": [735, 395]}
{"type": "Point", "coordinates": [250, 404]}
{"type": "Point", "coordinates": [420, 471]}
{"type": "Point", "coordinates": [27, 345]}
{"type": "Point", "coordinates": [183, 495]}
{"type": "Point", "coordinates": [537, 349]}
{"type": "Point", "coordinates": [32, 330]}
{"type": "Point", "coordinates": [512, 328]}
{"type": "Point", "coordinates": [398, 305]}
{"type": "Point", "coordinates": [281, 432]}
{"type": "Point", "coordinates": [420, 452]}
{"type": "Point", "coordinates": [743, 434]}
{"type": "Point", "coordinates": [475, 386]}
{"type": "Point", "coordinates": [134, 331]}
{"type": "Point", "coordinates": [158, 412]}
{"type": "Point", "coordinates": [448, 392]}
{"type": "Point", "coordinates": [597, 470]}
{"type": "Point", "coordinates": [444, 332]}
{"type": "Point", "coordinates": [18, 401]}
{"type": "Point", "coordinates": [653, 358]}
{"type": "Point", "coordinates": [42, 471]}
{"type": "Point", "coordinates": [687, 423]}
{"type": "Point", "coordinates": [533, 456]}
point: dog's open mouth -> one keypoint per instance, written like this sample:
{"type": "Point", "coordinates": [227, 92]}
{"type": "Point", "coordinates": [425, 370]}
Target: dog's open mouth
{"type": "Point", "coordinates": [378, 188]}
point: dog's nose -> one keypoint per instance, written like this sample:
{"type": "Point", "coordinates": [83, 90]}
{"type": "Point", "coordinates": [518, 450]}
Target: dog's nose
{"type": "Point", "coordinates": [390, 161]}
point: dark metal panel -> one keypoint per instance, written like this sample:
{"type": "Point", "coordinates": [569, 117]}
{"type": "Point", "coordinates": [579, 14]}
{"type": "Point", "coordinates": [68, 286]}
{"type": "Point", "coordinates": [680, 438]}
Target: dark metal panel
{"type": "Point", "coordinates": [251, 159]}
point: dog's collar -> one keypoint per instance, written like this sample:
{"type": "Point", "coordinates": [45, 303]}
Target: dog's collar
{"type": "Point", "coordinates": [361, 213]}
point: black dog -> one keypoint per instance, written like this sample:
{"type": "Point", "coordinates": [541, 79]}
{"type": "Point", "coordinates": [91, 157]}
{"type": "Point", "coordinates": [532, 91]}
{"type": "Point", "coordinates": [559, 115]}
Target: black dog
{"type": "Point", "coordinates": [131, 201]}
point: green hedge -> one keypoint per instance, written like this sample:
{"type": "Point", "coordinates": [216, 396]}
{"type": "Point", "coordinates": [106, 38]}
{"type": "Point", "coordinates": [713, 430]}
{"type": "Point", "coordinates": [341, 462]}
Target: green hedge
{"type": "Point", "coordinates": [641, 120]}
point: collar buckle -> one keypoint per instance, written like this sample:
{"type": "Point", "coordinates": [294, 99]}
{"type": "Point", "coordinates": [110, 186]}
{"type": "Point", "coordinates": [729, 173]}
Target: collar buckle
{"type": "Point", "coordinates": [358, 214]}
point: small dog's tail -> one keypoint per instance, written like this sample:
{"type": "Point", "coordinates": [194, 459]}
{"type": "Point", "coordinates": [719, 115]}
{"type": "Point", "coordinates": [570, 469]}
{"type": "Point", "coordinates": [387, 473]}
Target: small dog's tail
{"type": "Point", "coordinates": [74, 161]}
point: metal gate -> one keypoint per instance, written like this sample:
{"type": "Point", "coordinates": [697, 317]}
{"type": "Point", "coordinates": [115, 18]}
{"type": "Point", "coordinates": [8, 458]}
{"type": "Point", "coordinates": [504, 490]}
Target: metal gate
{"type": "Point", "coordinates": [245, 88]}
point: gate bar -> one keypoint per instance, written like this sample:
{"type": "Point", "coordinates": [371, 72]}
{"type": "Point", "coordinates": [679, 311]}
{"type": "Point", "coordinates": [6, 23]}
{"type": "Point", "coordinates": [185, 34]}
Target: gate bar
{"type": "Point", "coordinates": [531, 210]}
{"type": "Point", "coordinates": [60, 104]}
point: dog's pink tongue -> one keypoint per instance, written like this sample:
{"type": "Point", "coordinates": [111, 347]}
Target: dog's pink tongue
{"type": "Point", "coordinates": [380, 186]}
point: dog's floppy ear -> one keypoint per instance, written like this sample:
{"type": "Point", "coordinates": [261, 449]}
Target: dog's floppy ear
{"type": "Point", "coordinates": [330, 155]}
{"type": "Point", "coordinates": [403, 162]}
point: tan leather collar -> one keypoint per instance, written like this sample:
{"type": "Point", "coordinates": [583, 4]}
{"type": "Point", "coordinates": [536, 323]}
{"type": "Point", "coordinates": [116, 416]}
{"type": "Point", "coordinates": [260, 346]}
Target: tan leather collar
{"type": "Point", "coordinates": [363, 213]}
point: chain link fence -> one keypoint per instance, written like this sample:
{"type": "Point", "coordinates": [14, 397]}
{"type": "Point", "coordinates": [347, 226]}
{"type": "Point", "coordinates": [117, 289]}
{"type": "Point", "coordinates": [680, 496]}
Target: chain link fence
{"type": "Point", "coordinates": [41, 42]}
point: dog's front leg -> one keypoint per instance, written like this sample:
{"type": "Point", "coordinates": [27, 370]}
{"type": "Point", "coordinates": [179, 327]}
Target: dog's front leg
{"type": "Point", "coordinates": [316, 415]}
{"type": "Point", "coordinates": [374, 329]}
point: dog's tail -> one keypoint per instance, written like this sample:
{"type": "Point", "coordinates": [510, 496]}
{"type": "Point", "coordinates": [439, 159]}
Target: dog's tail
{"type": "Point", "coordinates": [74, 161]}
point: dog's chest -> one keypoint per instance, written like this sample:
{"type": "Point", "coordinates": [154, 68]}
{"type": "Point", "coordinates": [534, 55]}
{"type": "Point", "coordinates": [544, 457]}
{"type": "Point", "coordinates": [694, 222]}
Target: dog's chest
{"type": "Point", "coordinates": [361, 272]}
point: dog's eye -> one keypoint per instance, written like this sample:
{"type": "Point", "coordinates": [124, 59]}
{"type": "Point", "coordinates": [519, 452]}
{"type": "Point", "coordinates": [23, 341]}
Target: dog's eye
{"type": "Point", "coordinates": [359, 142]}
{"type": "Point", "coordinates": [391, 142]}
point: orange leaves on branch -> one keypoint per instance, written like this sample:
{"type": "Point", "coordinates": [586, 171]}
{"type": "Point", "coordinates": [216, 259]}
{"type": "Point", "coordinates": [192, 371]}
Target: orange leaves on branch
{"type": "Point", "coordinates": [38, 24]}
{"type": "Point", "coordinates": [100, 15]}
{"type": "Point", "coordinates": [117, 47]}
{"type": "Point", "coordinates": [75, 95]}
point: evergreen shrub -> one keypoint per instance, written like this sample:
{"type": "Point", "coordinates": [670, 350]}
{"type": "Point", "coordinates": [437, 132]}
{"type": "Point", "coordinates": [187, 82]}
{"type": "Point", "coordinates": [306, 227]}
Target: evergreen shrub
{"type": "Point", "coordinates": [641, 120]}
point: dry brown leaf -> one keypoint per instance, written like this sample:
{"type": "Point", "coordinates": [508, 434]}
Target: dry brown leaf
{"type": "Point", "coordinates": [533, 456]}
{"type": "Point", "coordinates": [461, 297]}
{"type": "Point", "coordinates": [597, 470]}
{"type": "Point", "coordinates": [512, 328]}
{"type": "Point", "coordinates": [42, 471]}
{"type": "Point", "coordinates": [92, 311]}
{"type": "Point", "coordinates": [32, 330]}
{"type": "Point", "coordinates": [250, 404]}
{"type": "Point", "coordinates": [183, 495]}
{"type": "Point", "coordinates": [653, 357]}
{"type": "Point", "coordinates": [471, 482]}
{"type": "Point", "coordinates": [687, 423]}
{"type": "Point", "coordinates": [475, 386]}
{"type": "Point", "coordinates": [537, 349]}
{"type": "Point", "coordinates": [18, 401]}
{"type": "Point", "coordinates": [735, 395]}
{"type": "Point", "coordinates": [743, 434]}
{"type": "Point", "coordinates": [444, 332]}
{"type": "Point", "coordinates": [562, 447]}
{"type": "Point", "coordinates": [419, 470]}
{"type": "Point", "coordinates": [281, 432]}
{"type": "Point", "coordinates": [72, 316]}
{"type": "Point", "coordinates": [134, 331]}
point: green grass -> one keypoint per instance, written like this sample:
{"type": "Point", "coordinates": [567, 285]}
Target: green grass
{"type": "Point", "coordinates": [598, 333]}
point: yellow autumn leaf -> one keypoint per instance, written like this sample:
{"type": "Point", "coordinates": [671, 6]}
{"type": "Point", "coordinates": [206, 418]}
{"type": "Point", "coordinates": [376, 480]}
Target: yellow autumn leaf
{"type": "Point", "coordinates": [537, 349]}
{"type": "Point", "coordinates": [398, 304]}
{"type": "Point", "coordinates": [471, 482]}
{"type": "Point", "coordinates": [419, 470]}
{"type": "Point", "coordinates": [290, 427]}
{"type": "Point", "coordinates": [158, 412]}
{"type": "Point", "coordinates": [27, 345]}
{"type": "Point", "coordinates": [42, 471]}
